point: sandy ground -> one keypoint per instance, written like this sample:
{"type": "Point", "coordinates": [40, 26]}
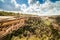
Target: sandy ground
{"type": "Point", "coordinates": [6, 17]}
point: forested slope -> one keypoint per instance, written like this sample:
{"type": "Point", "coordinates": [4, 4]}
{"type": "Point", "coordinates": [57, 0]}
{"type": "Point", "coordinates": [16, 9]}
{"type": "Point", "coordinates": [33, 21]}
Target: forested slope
{"type": "Point", "coordinates": [2, 13]}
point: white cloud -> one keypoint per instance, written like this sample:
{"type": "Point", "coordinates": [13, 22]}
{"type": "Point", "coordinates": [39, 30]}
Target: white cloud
{"type": "Point", "coordinates": [2, 0]}
{"type": "Point", "coordinates": [15, 3]}
{"type": "Point", "coordinates": [31, 2]}
{"type": "Point", "coordinates": [47, 8]}
{"type": "Point", "coordinates": [10, 5]}
{"type": "Point", "coordinates": [23, 7]}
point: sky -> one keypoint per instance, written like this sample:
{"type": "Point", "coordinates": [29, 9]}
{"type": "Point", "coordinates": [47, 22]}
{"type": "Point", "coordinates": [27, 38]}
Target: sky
{"type": "Point", "coordinates": [36, 7]}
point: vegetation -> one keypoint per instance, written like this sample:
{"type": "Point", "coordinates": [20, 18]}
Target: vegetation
{"type": "Point", "coordinates": [36, 29]}
{"type": "Point", "coordinates": [2, 13]}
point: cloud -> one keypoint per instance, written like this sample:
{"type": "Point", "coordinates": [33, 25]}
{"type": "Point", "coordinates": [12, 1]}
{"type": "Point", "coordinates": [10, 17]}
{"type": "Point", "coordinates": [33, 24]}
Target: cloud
{"type": "Point", "coordinates": [10, 5]}
{"type": "Point", "coordinates": [47, 8]}
{"type": "Point", "coordinates": [2, 0]}
{"type": "Point", "coordinates": [31, 2]}
{"type": "Point", "coordinates": [23, 7]}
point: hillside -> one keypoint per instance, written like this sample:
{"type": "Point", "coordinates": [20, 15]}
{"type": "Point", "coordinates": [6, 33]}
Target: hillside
{"type": "Point", "coordinates": [3, 13]}
{"type": "Point", "coordinates": [38, 28]}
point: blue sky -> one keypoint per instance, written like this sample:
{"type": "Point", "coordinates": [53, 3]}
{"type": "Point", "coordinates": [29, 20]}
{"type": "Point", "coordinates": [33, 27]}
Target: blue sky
{"type": "Point", "coordinates": [31, 6]}
{"type": "Point", "coordinates": [26, 1]}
